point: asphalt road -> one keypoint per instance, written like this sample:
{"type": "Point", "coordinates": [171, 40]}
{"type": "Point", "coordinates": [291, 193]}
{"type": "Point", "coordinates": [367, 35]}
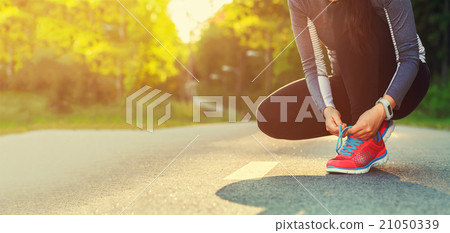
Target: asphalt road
{"type": "Point", "coordinates": [215, 169]}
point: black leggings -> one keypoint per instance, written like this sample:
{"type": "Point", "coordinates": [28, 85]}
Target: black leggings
{"type": "Point", "coordinates": [363, 80]}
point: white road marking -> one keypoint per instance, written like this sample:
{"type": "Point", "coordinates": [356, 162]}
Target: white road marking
{"type": "Point", "coordinates": [253, 170]}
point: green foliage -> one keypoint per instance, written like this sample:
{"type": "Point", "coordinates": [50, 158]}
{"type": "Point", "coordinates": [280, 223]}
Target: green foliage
{"type": "Point", "coordinates": [92, 46]}
{"type": "Point", "coordinates": [63, 82]}
{"type": "Point", "coordinates": [436, 103]}
{"type": "Point", "coordinates": [433, 23]}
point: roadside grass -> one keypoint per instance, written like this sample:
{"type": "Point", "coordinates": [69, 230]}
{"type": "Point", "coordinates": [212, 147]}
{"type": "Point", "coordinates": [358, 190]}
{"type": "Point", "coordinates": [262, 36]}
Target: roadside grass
{"type": "Point", "coordinates": [419, 118]}
{"type": "Point", "coordinates": [22, 112]}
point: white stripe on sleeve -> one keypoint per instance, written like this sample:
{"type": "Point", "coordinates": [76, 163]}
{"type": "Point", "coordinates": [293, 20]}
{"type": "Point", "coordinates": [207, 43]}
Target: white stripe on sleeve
{"type": "Point", "coordinates": [322, 74]}
{"type": "Point", "coordinates": [397, 55]}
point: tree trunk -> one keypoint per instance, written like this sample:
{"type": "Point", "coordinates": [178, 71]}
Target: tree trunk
{"type": "Point", "coordinates": [122, 28]}
{"type": "Point", "coordinates": [120, 72]}
{"type": "Point", "coordinates": [119, 79]}
{"type": "Point", "coordinates": [10, 65]}
{"type": "Point", "coordinates": [239, 72]}
{"type": "Point", "coordinates": [444, 67]}
{"type": "Point", "coordinates": [186, 87]}
{"type": "Point", "coordinates": [268, 59]}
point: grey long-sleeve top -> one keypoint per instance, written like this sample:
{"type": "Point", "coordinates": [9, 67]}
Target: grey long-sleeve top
{"type": "Point", "coordinates": [311, 22]}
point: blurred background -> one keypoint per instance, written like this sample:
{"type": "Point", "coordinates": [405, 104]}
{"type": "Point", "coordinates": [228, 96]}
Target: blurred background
{"type": "Point", "coordinates": [71, 63]}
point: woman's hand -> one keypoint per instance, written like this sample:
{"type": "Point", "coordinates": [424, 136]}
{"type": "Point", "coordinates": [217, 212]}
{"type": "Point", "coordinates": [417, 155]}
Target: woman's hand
{"type": "Point", "coordinates": [333, 120]}
{"type": "Point", "coordinates": [368, 123]}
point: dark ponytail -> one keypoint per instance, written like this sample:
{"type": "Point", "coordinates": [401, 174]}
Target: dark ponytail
{"type": "Point", "coordinates": [358, 17]}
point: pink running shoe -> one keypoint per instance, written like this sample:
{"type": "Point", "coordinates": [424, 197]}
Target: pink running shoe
{"type": "Point", "coordinates": [357, 156]}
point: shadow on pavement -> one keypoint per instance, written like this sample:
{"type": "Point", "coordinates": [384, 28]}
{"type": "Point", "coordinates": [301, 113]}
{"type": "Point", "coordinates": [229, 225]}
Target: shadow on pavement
{"type": "Point", "coordinates": [376, 192]}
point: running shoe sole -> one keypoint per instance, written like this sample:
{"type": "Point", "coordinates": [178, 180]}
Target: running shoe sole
{"type": "Point", "coordinates": [374, 163]}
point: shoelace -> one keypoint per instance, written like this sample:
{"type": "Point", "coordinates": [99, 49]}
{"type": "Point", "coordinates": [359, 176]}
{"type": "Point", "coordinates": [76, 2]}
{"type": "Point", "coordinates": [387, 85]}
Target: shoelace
{"type": "Point", "coordinates": [350, 145]}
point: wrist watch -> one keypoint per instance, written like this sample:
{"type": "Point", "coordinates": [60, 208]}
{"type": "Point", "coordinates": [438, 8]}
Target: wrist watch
{"type": "Point", "coordinates": [387, 107]}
